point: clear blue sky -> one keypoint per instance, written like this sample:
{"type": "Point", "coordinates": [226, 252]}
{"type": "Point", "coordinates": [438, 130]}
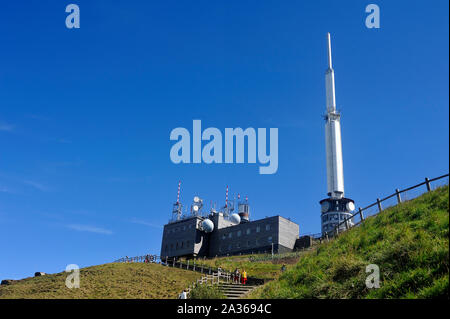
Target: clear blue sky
{"type": "Point", "coordinates": [85, 114]}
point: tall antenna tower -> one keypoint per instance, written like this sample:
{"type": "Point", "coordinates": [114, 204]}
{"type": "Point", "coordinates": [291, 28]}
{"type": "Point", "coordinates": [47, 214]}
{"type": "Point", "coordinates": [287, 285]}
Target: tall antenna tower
{"type": "Point", "coordinates": [336, 207]}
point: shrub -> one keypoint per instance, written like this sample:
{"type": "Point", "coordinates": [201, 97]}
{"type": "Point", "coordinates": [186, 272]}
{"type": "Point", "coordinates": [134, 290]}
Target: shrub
{"type": "Point", "coordinates": [206, 292]}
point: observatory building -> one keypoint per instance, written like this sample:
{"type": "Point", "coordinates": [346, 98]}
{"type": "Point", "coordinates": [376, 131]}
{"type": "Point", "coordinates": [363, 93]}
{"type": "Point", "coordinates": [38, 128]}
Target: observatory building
{"type": "Point", "coordinates": [336, 207]}
{"type": "Point", "coordinates": [221, 233]}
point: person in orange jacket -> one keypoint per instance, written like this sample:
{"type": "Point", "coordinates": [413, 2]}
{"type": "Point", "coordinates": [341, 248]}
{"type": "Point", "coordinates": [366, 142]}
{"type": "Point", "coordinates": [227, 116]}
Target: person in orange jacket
{"type": "Point", "coordinates": [244, 277]}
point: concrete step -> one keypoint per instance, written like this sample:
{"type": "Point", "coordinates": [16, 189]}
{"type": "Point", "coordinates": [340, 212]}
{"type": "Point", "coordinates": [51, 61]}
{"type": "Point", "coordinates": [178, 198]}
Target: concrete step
{"type": "Point", "coordinates": [236, 287]}
{"type": "Point", "coordinates": [235, 291]}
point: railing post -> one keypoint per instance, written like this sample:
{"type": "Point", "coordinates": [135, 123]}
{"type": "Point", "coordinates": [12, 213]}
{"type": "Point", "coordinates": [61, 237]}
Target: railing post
{"type": "Point", "coordinates": [399, 198]}
{"type": "Point", "coordinates": [427, 181]}
{"type": "Point", "coordinates": [379, 205]}
{"type": "Point", "coordinates": [194, 265]}
{"type": "Point", "coordinates": [187, 265]}
{"type": "Point", "coordinates": [361, 215]}
{"type": "Point", "coordinates": [346, 223]}
{"type": "Point", "coordinates": [210, 270]}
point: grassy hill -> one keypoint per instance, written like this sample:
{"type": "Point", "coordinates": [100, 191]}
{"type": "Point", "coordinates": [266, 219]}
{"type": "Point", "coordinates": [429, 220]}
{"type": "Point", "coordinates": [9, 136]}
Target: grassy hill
{"type": "Point", "coordinates": [116, 280]}
{"type": "Point", "coordinates": [409, 243]}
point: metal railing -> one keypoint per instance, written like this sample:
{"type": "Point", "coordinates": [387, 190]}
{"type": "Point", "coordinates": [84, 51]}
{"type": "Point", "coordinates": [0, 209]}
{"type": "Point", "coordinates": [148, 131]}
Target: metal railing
{"type": "Point", "coordinates": [380, 205]}
{"type": "Point", "coordinates": [173, 262]}
{"type": "Point", "coordinates": [213, 279]}
{"type": "Point", "coordinates": [139, 259]}
{"type": "Point", "coordinates": [277, 256]}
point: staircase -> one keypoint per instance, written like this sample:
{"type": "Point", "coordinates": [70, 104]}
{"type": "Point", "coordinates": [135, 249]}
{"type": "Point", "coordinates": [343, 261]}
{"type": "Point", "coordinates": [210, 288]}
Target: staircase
{"type": "Point", "coordinates": [235, 291]}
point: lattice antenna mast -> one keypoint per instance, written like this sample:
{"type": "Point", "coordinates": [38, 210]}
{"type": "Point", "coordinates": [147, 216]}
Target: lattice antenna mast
{"type": "Point", "coordinates": [226, 208]}
{"type": "Point", "coordinates": [178, 193]}
{"type": "Point", "coordinates": [226, 198]}
{"type": "Point", "coordinates": [177, 207]}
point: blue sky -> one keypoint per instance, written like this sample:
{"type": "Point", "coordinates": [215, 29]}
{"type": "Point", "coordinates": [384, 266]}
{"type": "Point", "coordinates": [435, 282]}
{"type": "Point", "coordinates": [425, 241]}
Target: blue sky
{"type": "Point", "coordinates": [85, 114]}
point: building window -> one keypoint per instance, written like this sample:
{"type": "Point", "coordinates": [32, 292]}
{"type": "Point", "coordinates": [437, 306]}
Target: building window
{"type": "Point", "coordinates": [269, 239]}
{"type": "Point", "coordinates": [182, 244]}
{"type": "Point", "coordinates": [229, 247]}
{"type": "Point", "coordinates": [239, 233]}
{"type": "Point", "coordinates": [258, 229]}
{"type": "Point", "coordinates": [268, 227]}
{"type": "Point", "coordinates": [230, 235]}
{"type": "Point", "coordinates": [224, 236]}
{"type": "Point", "coordinates": [248, 231]}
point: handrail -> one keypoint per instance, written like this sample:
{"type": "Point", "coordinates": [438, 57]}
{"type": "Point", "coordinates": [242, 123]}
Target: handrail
{"type": "Point", "coordinates": [360, 211]}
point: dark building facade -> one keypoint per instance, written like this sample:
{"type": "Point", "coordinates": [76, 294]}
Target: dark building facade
{"type": "Point", "coordinates": [185, 237]}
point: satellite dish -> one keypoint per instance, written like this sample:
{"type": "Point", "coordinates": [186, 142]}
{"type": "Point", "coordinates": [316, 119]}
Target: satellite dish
{"type": "Point", "coordinates": [195, 208]}
{"type": "Point", "coordinates": [196, 199]}
{"type": "Point", "coordinates": [235, 219]}
{"type": "Point", "coordinates": [325, 206]}
{"type": "Point", "coordinates": [207, 225]}
{"type": "Point", "coordinates": [350, 206]}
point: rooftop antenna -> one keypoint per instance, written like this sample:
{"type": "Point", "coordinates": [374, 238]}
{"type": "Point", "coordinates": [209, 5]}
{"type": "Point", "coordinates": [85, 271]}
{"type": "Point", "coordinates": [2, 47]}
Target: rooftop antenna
{"type": "Point", "coordinates": [177, 207]}
{"type": "Point", "coordinates": [178, 194]}
{"type": "Point", "coordinates": [196, 207]}
{"type": "Point", "coordinates": [226, 198]}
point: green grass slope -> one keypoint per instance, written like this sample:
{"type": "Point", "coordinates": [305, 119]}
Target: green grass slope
{"type": "Point", "coordinates": [116, 280]}
{"type": "Point", "coordinates": [409, 243]}
{"type": "Point", "coordinates": [267, 269]}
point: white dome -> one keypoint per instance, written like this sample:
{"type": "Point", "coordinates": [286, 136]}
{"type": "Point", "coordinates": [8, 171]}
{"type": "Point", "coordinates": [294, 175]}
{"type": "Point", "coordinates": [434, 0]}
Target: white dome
{"type": "Point", "coordinates": [207, 225]}
{"type": "Point", "coordinates": [350, 206]}
{"type": "Point", "coordinates": [235, 219]}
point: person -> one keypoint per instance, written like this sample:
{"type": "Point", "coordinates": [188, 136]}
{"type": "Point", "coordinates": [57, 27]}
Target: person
{"type": "Point", "coordinates": [244, 277]}
{"type": "Point", "coordinates": [283, 268]}
{"type": "Point", "coordinates": [183, 295]}
{"type": "Point", "coordinates": [236, 275]}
